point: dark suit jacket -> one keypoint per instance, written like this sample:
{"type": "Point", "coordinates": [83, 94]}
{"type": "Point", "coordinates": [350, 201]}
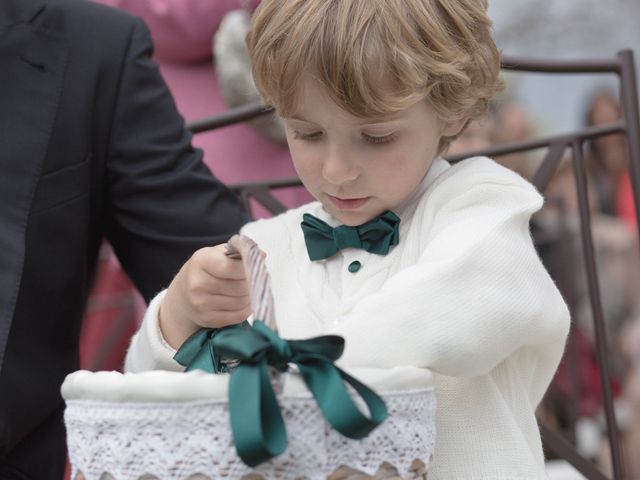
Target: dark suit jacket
{"type": "Point", "coordinates": [91, 146]}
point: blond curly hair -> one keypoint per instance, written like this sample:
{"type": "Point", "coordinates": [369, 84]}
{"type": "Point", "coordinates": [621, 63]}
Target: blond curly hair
{"type": "Point", "coordinates": [378, 57]}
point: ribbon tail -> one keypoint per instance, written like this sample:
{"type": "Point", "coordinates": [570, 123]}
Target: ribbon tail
{"type": "Point", "coordinates": [325, 381]}
{"type": "Point", "coordinates": [256, 422]}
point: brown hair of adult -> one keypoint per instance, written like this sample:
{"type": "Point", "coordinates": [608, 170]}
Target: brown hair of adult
{"type": "Point", "coordinates": [378, 57]}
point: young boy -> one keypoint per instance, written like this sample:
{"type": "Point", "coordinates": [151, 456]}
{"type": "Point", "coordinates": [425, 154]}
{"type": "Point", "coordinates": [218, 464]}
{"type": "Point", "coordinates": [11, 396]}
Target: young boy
{"type": "Point", "coordinates": [441, 272]}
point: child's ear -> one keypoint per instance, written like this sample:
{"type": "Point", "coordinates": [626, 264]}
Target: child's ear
{"type": "Point", "coordinates": [454, 128]}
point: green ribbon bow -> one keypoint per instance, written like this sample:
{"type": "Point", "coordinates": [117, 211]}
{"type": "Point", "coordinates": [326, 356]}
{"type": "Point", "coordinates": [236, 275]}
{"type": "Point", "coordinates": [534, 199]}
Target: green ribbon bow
{"type": "Point", "coordinates": [197, 352]}
{"type": "Point", "coordinates": [256, 422]}
{"type": "Point", "coordinates": [374, 236]}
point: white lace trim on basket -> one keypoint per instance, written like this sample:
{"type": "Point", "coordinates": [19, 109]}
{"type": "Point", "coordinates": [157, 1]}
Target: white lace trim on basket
{"type": "Point", "coordinates": [176, 441]}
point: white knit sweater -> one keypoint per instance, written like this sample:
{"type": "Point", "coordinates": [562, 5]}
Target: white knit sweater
{"type": "Point", "coordinates": [464, 294]}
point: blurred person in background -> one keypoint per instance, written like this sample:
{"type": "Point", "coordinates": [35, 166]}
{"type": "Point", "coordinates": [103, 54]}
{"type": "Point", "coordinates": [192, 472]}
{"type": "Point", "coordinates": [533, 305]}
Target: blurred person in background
{"type": "Point", "coordinates": [608, 159]}
{"type": "Point", "coordinates": [608, 162]}
{"type": "Point", "coordinates": [513, 123]}
{"type": "Point", "coordinates": [183, 33]}
{"type": "Point", "coordinates": [476, 136]}
{"type": "Point", "coordinates": [618, 265]}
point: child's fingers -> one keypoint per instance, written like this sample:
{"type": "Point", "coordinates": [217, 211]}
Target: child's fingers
{"type": "Point", "coordinates": [223, 318]}
{"type": "Point", "coordinates": [205, 284]}
{"type": "Point", "coordinates": [222, 303]}
{"type": "Point", "coordinates": [209, 291]}
{"type": "Point", "coordinates": [214, 261]}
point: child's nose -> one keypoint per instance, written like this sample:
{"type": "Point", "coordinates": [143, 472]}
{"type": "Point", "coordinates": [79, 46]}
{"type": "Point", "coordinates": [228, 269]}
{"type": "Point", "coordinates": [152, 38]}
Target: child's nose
{"type": "Point", "coordinates": [339, 168]}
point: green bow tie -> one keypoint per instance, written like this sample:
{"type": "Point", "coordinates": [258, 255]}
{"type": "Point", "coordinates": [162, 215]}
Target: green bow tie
{"type": "Point", "coordinates": [375, 236]}
{"type": "Point", "coordinates": [256, 422]}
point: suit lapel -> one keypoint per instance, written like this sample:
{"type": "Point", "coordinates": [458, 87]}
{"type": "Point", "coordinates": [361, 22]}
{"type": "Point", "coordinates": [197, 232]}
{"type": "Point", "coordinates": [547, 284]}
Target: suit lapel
{"type": "Point", "coordinates": [13, 12]}
{"type": "Point", "coordinates": [32, 69]}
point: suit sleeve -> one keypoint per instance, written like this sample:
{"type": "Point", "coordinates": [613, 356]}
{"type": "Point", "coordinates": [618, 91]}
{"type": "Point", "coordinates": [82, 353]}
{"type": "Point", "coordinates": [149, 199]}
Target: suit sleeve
{"type": "Point", "coordinates": [162, 201]}
{"type": "Point", "coordinates": [478, 293]}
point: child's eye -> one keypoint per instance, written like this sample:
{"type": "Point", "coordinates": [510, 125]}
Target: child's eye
{"type": "Point", "coordinates": [307, 136]}
{"type": "Point", "coordinates": [379, 140]}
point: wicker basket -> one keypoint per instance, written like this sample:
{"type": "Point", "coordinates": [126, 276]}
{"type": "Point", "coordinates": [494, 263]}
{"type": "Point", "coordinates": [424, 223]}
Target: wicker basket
{"type": "Point", "coordinates": [175, 426]}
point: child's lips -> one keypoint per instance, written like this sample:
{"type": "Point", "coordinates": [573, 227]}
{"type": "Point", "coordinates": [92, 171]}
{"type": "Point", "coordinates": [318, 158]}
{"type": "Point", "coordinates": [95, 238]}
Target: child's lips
{"type": "Point", "coordinates": [348, 203]}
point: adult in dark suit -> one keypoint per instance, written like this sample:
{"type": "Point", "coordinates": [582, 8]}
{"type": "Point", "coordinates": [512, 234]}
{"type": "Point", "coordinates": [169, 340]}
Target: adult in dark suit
{"type": "Point", "coordinates": [91, 146]}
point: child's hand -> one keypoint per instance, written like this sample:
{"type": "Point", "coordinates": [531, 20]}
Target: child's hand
{"type": "Point", "coordinates": [210, 290]}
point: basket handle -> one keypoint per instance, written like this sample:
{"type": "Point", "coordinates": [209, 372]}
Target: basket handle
{"type": "Point", "coordinates": [253, 259]}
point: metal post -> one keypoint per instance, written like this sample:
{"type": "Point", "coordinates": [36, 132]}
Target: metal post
{"type": "Point", "coordinates": [596, 308]}
{"type": "Point", "coordinates": [629, 102]}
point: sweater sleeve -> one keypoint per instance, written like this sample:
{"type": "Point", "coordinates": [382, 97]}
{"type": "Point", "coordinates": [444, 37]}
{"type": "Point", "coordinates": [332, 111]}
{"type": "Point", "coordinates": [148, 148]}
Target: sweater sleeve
{"type": "Point", "coordinates": [148, 349]}
{"type": "Point", "coordinates": [477, 294]}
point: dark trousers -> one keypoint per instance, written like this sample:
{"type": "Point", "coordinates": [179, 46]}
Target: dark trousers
{"type": "Point", "coordinates": [40, 456]}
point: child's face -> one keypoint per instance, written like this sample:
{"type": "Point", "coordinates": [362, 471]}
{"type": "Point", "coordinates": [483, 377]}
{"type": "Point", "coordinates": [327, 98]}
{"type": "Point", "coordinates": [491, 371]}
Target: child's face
{"type": "Point", "coordinates": [357, 167]}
